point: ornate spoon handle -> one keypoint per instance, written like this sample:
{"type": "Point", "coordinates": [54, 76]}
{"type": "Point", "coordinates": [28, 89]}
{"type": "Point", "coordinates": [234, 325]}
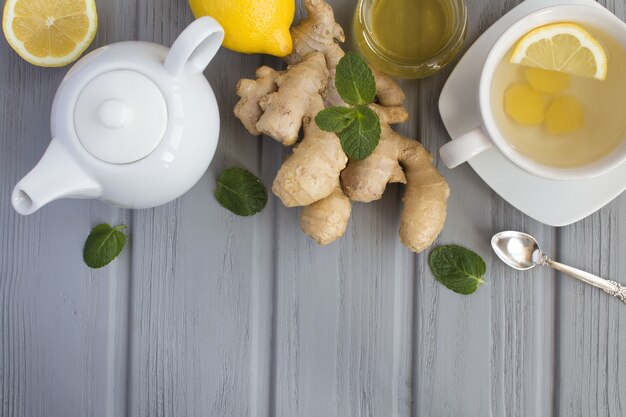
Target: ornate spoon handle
{"type": "Point", "coordinates": [610, 287]}
{"type": "Point", "coordinates": [619, 291]}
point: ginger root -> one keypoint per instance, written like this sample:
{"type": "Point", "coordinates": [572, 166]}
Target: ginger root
{"type": "Point", "coordinates": [319, 32]}
{"type": "Point", "coordinates": [403, 160]}
{"type": "Point", "coordinates": [251, 92]}
{"type": "Point", "coordinates": [280, 104]}
{"type": "Point", "coordinates": [284, 110]}
{"type": "Point", "coordinates": [310, 173]}
{"type": "Point", "coordinates": [326, 219]}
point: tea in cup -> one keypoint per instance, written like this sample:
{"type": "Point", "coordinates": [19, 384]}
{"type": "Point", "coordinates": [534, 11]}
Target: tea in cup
{"type": "Point", "coordinates": [550, 123]}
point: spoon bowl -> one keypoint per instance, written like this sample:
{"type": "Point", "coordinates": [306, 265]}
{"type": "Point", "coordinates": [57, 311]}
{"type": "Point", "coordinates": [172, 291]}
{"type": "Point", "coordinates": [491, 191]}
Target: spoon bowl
{"type": "Point", "coordinates": [516, 249]}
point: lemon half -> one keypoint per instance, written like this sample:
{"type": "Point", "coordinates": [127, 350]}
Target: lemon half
{"type": "Point", "coordinates": [50, 33]}
{"type": "Point", "coordinates": [563, 47]}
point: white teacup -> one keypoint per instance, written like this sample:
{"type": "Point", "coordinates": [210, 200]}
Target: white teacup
{"type": "Point", "coordinates": [489, 134]}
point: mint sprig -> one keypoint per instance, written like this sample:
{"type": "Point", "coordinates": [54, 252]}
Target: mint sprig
{"type": "Point", "coordinates": [103, 245]}
{"type": "Point", "coordinates": [459, 269]}
{"type": "Point", "coordinates": [354, 80]}
{"type": "Point", "coordinates": [239, 191]}
{"type": "Point", "coordinates": [358, 127]}
{"type": "Point", "coordinates": [335, 119]}
{"type": "Point", "coordinates": [364, 125]}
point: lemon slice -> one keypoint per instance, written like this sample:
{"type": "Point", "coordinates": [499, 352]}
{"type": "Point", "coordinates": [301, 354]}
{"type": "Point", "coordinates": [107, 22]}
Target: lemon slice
{"type": "Point", "coordinates": [563, 47]}
{"type": "Point", "coordinates": [50, 33]}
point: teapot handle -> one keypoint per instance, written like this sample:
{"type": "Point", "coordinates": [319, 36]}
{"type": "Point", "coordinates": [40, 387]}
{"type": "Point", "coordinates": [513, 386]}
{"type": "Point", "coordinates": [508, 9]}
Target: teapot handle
{"type": "Point", "coordinates": [197, 45]}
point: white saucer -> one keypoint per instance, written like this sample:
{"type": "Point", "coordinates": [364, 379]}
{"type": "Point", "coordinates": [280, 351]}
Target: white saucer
{"type": "Point", "coordinates": [555, 203]}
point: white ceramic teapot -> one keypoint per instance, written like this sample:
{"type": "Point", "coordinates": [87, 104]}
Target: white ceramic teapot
{"type": "Point", "coordinates": [133, 124]}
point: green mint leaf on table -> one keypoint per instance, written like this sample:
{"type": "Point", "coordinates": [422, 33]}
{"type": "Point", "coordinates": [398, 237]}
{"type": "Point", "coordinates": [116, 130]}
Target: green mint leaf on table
{"type": "Point", "coordinates": [335, 119]}
{"type": "Point", "coordinates": [361, 136]}
{"type": "Point", "coordinates": [241, 192]}
{"type": "Point", "coordinates": [103, 245]}
{"type": "Point", "coordinates": [354, 80]}
{"type": "Point", "coordinates": [459, 269]}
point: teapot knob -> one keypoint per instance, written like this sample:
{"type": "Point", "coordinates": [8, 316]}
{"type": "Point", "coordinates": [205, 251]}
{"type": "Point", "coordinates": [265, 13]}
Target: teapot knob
{"type": "Point", "coordinates": [114, 114]}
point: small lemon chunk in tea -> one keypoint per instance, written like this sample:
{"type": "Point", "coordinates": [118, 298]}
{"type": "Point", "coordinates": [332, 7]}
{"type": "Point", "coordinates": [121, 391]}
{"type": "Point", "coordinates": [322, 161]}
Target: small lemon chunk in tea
{"type": "Point", "coordinates": [579, 121]}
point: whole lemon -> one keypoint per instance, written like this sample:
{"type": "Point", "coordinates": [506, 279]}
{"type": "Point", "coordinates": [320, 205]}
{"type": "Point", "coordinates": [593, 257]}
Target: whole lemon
{"type": "Point", "coordinates": [251, 26]}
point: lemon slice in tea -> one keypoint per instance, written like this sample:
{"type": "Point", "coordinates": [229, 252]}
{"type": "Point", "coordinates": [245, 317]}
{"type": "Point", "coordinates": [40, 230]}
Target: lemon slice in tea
{"type": "Point", "coordinates": [563, 47]}
{"type": "Point", "coordinates": [50, 33]}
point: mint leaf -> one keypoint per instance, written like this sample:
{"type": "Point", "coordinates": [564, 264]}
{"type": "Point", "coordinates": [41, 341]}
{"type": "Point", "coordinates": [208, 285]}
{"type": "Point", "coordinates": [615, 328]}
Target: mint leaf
{"type": "Point", "coordinates": [354, 80]}
{"type": "Point", "coordinates": [241, 192]}
{"type": "Point", "coordinates": [103, 245]}
{"type": "Point", "coordinates": [459, 269]}
{"type": "Point", "coordinates": [358, 127]}
{"type": "Point", "coordinates": [335, 119]}
{"type": "Point", "coordinates": [361, 136]}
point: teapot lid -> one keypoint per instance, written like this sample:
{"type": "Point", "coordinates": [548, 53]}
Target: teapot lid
{"type": "Point", "coordinates": [120, 116]}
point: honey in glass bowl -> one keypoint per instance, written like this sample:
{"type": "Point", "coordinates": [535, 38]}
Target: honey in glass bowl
{"type": "Point", "coordinates": [410, 38]}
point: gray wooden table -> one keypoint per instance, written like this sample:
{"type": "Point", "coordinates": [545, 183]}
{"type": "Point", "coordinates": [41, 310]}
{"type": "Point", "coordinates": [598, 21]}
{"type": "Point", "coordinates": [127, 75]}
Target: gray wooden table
{"type": "Point", "coordinates": [207, 314]}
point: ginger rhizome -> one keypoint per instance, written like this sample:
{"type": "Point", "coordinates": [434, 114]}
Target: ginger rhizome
{"type": "Point", "coordinates": [317, 175]}
{"type": "Point", "coordinates": [398, 159]}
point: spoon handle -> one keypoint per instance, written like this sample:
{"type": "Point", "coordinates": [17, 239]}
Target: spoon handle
{"type": "Point", "coordinates": [610, 287]}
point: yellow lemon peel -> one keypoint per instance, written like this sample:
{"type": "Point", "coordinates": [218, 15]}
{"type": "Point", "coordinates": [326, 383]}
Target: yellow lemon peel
{"type": "Point", "coordinates": [251, 26]}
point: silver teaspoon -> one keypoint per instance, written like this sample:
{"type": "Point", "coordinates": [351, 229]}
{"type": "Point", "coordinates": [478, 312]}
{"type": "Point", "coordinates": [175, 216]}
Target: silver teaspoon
{"type": "Point", "coordinates": [521, 251]}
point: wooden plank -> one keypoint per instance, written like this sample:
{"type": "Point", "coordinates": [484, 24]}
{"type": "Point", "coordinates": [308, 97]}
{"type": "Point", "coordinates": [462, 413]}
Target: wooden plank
{"type": "Point", "coordinates": [343, 318]}
{"type": "Point", "coordinates": [590, 376]}
{"type": "Point", "coordinates": [62, 325]}
{"type": "Point", "coordinates": [490, 353]}
{"type": "Point", "coordinates": [201, 289]}
{"type": "Point", "coordinates": [343, 324]}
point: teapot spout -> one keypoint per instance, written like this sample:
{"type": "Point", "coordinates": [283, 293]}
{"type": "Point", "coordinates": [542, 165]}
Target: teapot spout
{"type": "Point", "coordinates": [56, 176]}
